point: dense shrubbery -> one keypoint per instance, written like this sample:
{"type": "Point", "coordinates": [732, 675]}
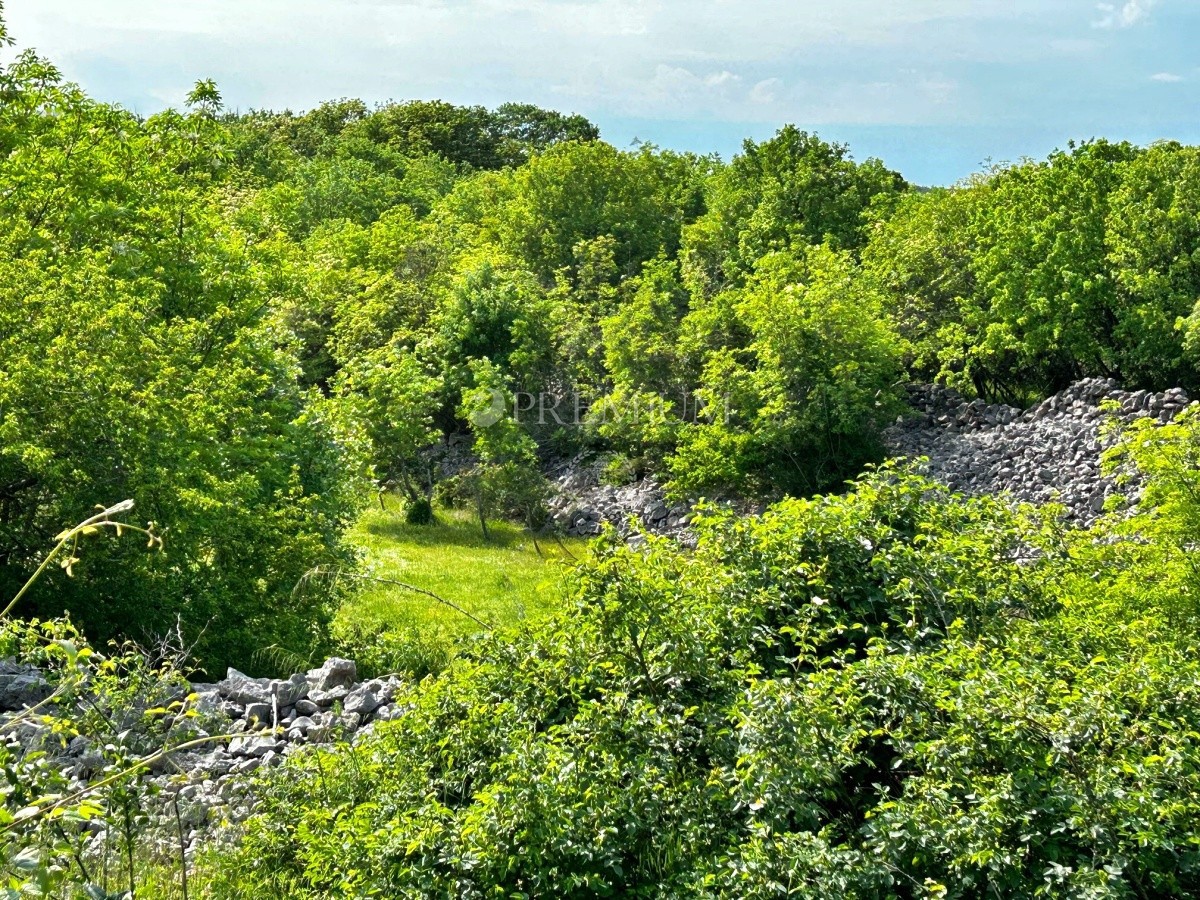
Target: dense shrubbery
{"type": "Point", "coordinates": [889, 694]}
{"type": "Point", "coordinates": [142, 357]}
{"type": "Point", "coordinates": [239, 319]}
{"type": "Point", "coordinates": [1034, 275]}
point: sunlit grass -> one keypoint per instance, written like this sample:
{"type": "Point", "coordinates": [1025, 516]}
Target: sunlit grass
{"type": "Point", "coordinates": [501, 580]}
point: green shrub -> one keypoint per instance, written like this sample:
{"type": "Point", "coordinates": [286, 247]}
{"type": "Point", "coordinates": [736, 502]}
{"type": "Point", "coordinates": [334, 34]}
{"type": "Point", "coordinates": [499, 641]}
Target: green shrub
{"type": "Point", "coordinates": [892, 693]}
{"type": "Point", "coordinates": [419, 512]}
{"type": "Point", "coordinates": [142, 359]}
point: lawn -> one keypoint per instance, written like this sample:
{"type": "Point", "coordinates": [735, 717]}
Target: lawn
{"type": "Point", "coordinates": [499, 581]}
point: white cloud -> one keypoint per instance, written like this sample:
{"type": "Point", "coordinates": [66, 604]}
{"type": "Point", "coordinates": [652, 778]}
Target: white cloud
{"type": "Point", "coordinates": [720, 79]}
{"type": "Point", "coordinates": [1125, 16]}
{"type": "Point", "coordinates": [809, 61]}
{"type": "Point", "coordinates": [765, 91]}
{"type": "Point", "coordinates": [1167, 77]}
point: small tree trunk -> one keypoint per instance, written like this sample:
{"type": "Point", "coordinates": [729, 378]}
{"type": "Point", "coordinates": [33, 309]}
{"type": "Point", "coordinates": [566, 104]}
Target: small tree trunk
{"type": "Point", "coordinates": [183, 863]}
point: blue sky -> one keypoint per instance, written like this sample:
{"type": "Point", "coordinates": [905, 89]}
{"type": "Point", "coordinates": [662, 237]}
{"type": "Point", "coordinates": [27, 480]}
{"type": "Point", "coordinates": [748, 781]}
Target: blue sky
{"type": "Point", "coordinates": [932, 87]}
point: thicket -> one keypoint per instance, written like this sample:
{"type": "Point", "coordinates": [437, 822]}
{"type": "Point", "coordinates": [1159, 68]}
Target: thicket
{"type": "Point", "coordinates": [241, 319]}
{"type": "Point", "coordinates": [891, 693]}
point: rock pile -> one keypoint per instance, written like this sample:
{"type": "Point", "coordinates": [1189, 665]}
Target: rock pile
{"type": "Point", "coordinates": [581, 506]}
{"type": "Point", "coordinates": [269, 719]}
{"type": "Point", "coordinates": [261, 721]}
{"type": "Point", "coordinates": [269, 714]}
{"type": "Point", "coordinates": [1047, 453]}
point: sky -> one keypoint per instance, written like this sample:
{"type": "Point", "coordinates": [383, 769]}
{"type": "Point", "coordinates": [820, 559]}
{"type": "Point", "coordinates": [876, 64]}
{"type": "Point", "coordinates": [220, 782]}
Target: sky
{"type": "Point", "coordinates": [935, 88]}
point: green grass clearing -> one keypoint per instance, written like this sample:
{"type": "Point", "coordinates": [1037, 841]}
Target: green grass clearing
{"type": "Point", "coordinates": [501, 581]}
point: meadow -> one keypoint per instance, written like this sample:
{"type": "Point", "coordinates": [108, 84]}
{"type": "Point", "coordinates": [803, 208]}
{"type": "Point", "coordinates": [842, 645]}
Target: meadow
{"type": "Point", "coordinates": [495, 582]}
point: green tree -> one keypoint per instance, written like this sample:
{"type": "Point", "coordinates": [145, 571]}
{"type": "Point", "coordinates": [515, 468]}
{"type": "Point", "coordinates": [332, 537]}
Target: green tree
{"type": "Point", "coordinates": [584, 191]}
{"type": "Point", "coordinates": [800, 406]}
{"type": "Point", "coordinates": [920, 256]}
{"type": "Point", "coordinates": [525, 130]}
{"type": "Point", "coordinates": [394, 399]}
{"type": "Point", "coordinates": [505, 479]}
{"type": "Point", "coordinates": [142, 359]}
{"type": "Point", "coordinates": [1153, 234]}
{"type": "Point", "coordinates": [788, 192]}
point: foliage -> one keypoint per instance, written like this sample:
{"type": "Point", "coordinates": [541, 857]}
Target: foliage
{"type": "Point", "coordinates": [1033, 275]}
{"type": "Point", "coordinates": [505, 478]}
{"type": "Point", "coordinates": [891, 693]}
{"type": "Point", "coordinates": [798, 406]}
{"type": "Point", "coordinates": [75, 761]}
{"type": "Point", "coordinates": [393, 133]}
{"type": "Point", "coordinates": [395, 402]}
{"type": "Point", "coordinates": [142, 358]}
{"type": "Point", "coordinates": [785, 193]}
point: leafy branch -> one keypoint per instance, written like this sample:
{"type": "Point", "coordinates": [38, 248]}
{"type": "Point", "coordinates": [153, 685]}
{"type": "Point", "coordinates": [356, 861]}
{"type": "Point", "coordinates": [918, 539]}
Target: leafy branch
{"type": "Point", "coordinates": [68, 541]}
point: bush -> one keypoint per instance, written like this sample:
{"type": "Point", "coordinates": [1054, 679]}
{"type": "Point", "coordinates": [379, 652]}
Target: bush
{"type": "Point", "coordinates": [419, 512]}
{"type": "Point", "coordinates": [893, 693]}
{"type": "Point", "coordinates": [142, 360]}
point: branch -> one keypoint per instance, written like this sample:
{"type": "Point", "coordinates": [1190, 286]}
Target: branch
{"type": "Point", "coordinates": [102, 519]}
{"type": "Point", "coordinates": [407, 587]}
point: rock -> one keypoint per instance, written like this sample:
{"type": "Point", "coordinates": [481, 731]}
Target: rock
{"type": "Point", "coordinates": [21, 689]}
{"type": "Point", "coordinates": [240, 688]}
{"type": "Point", "coordinates": [388, 688]}
{"type": "Point", "coordinates": [326, 699]}
{"type": "Point", "coordinates": [254, 746]}
{"type": "Point", "coordinates": [306, 708]}
{"type": "Point", "coordinates": [335, 673]}
{"type": "Point", "coordinates": [296, 688]}
{"type": "Point", "coordinates": [260, 712]}
{"type": "Point", "coordinates": [302, 726]}
{"type": "Point", "coordinates": [1049, 452]}
{"type": "Point", "coordinates": [361, 700]}
{"type": "Point", "coordinates": [207, 701]}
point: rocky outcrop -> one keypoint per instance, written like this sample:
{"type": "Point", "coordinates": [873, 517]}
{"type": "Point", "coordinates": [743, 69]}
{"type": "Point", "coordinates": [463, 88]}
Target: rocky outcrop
{"type": "Point", "coordinates": [1047, 453]}
{"type": "Point", "coordinates": [269, 719]}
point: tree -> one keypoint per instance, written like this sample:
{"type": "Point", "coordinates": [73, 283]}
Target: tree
{"type": "Point", "coordinates": [1153, 231]}
{"type": "Point", "coordinates": [1048, 297]}
{"type": "Point", "coordinates": [785, 193]}
{"type": "Point", "coordinates": [143, 360]}
{"type": "Point", "coordinates": [920, 256]}
{"type": "Point", "coordinates": [525, 130]}
{"type": "Point", "coordinates": [505, 478]}
{"type": "Point", "coordinates": [799, 408]}
{"type": "Point", "coordinates": [394, 399]}
{"type": "Point", "coordinates": [491, 311]}
{"type": "Point", "coordinates": [584, 191]}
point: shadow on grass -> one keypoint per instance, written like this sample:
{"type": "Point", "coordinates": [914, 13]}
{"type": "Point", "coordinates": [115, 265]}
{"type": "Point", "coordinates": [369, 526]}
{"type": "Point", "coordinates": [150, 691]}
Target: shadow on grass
{"type": "Point", "coordinates": [455, 530]}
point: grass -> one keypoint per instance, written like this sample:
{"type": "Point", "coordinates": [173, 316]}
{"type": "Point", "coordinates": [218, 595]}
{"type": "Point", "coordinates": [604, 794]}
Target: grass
{"type": "Point", "coordinates": [501, 581]}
